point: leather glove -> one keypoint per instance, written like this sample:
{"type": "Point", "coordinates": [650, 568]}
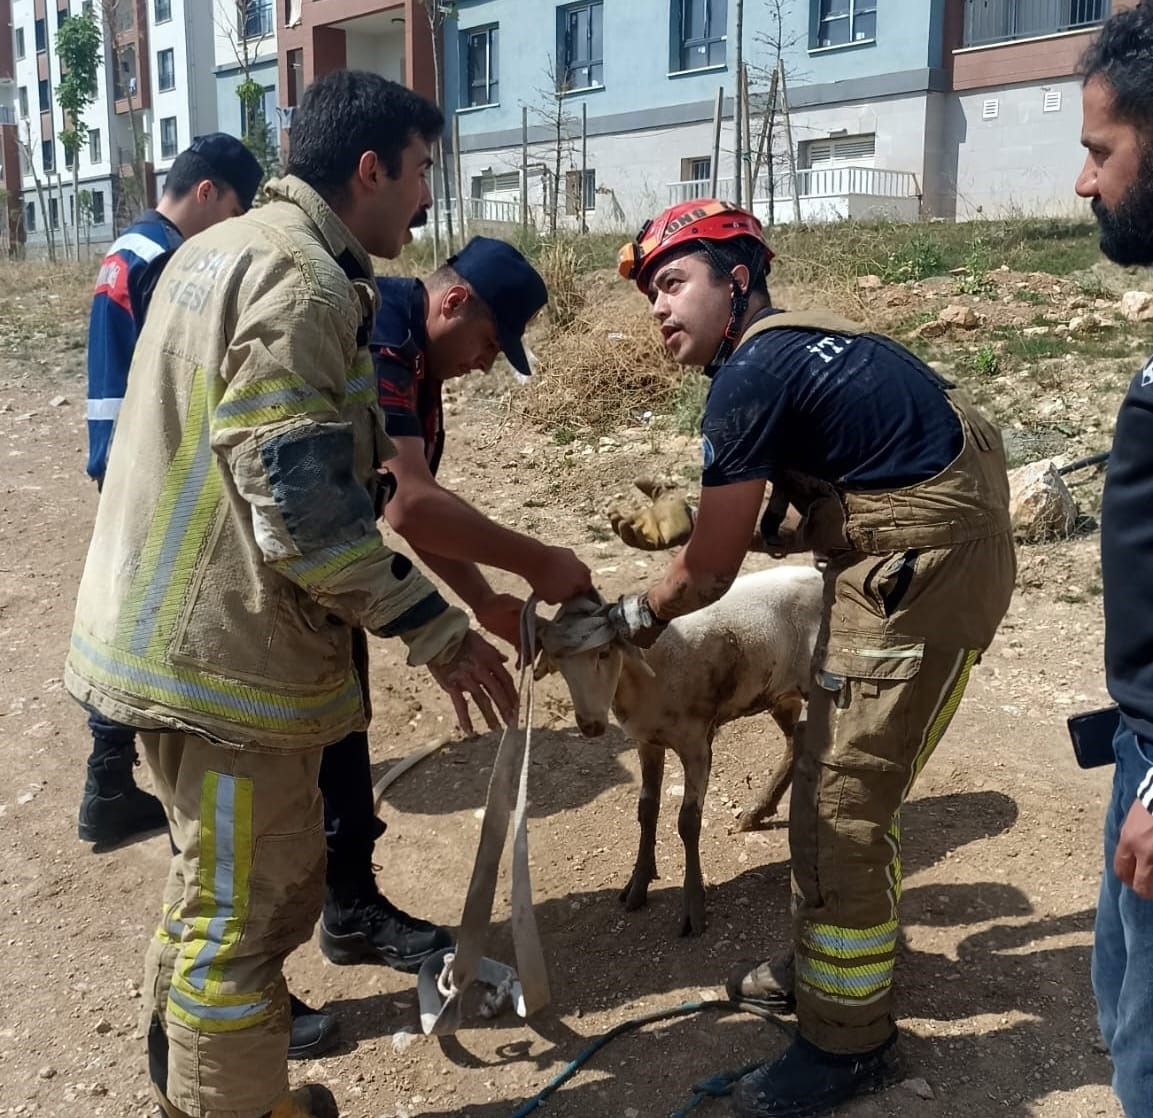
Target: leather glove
{"type": "Point", "coordinates": [666, 522]}
{"type": "Point", "coordinates": [634, 621]}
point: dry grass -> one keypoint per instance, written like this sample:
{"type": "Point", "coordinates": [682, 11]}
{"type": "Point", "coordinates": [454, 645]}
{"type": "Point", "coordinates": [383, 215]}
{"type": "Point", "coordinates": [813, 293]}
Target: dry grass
{"type": "Point", "coordinates": [41, 301]}
{"type": "Point", "coordinates": [605, 371]}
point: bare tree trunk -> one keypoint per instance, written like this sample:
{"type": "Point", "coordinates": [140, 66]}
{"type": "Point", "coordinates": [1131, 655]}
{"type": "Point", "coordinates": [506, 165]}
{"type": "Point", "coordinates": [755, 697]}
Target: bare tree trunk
{"type": "Point", "coordinates": [27, 146]}
{"type": "Point", "coordinates": [63, 218]}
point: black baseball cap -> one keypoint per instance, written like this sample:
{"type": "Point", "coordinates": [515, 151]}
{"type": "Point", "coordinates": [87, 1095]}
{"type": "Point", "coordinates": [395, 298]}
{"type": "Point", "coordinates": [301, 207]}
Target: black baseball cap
{"type": "Point", "coordinates": [509, 286]}
{"type": "Point", "coordinates": [230, 162]}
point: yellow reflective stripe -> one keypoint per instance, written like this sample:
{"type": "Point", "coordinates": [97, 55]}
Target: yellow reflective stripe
{"type": "Point", "coordinates": [850, 943]}
{"type": "Point", "coordinates": [171, 929]}
{"type": "Point", "coordinates": [845, 982]}
{"type": "Point", "coordinates": [361, 386]}
{"type": "Point", "coordinates": [180, 522]}
{"type": "Point", "coordinates": [191, 691]}
{"type": "Point", "coordinates": [318, 567]}
{"type": "Point", "coordinates": [944, 716]}
{"type": "Point", "coordinates": [225, 845]}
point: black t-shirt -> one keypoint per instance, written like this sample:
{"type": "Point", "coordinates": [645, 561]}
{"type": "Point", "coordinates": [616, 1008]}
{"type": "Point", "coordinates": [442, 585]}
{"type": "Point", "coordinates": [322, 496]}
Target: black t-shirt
{"type": "Point", "coordinates": [1127, 557]}
{"type": "Point", "coordinates": [409, 397]}
{"type": "Point", "coordinates": [857, 411]}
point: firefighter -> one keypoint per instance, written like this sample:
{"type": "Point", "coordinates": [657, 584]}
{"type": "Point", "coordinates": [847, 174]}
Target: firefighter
{"type": "Point", "coordinates": [883, 469]}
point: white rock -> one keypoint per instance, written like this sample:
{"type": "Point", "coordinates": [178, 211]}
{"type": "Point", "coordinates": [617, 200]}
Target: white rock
{"type": "Point", "coordinates": [1137, 306]}
{"type": "Point", "coordinates": [1036, 331]}
{"type": "Point", "coordinates": [1085, 324]}
{"type": "Point", "coordinates": [60, 401]}
{"type": "Point", "coordinates": [403, 1040]}
{"type": "Point", "coordinates": [920, 1088]}
{"type": "Point", "coordinates": [1040, 504]}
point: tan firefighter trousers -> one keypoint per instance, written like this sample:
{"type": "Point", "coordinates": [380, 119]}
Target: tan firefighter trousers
{"type": "Point", "coordinates": [244, 890]}
{"type": "Point", "coordinates": [913, 593]}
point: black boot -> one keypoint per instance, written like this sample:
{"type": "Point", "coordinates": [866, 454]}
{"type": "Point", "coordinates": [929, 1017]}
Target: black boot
{"type": "Point", "coordinates": [313, 1032]}
{"type": "Point", "coordinates": [365, 927]}
{"type": "Point", "coordinates": [806, 1081]}
{"type": "Point", "coordinates": [113, 809]}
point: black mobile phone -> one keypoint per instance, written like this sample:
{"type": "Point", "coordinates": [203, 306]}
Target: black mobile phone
{"type": "Point", "coordinates": [1092, 735]}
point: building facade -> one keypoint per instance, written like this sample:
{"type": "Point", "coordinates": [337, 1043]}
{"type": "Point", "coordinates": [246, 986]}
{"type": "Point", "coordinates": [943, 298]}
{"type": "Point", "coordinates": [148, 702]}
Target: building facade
{"type": "Point", "coordinates": [245, 49]}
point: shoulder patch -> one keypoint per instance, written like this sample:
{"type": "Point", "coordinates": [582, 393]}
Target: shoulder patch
{"type": "Point", "coordinates": [112, 281]}
{"type": "Point", "coordinates": [708, 454]}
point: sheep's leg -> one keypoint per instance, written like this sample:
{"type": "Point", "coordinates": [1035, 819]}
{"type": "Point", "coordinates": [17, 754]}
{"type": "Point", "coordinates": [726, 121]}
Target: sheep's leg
{"type": "Point", "coordinates": [787, 716]}
{"type": "Point", "coordinates": [689, 826]}
{"type": "Point", "coordinates": [636, 893]}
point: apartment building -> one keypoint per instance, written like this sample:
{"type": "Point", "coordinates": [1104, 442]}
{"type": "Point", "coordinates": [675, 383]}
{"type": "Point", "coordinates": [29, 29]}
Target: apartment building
{"type": "Point", "coordinates": [245, 49]}
{"type": "Point", "coordinates": [152, 98]}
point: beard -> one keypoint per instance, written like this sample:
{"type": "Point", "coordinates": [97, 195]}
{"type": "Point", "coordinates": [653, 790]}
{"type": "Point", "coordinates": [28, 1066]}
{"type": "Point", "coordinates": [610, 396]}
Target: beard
{"type": "Point", "coordinates": [1127, 228]}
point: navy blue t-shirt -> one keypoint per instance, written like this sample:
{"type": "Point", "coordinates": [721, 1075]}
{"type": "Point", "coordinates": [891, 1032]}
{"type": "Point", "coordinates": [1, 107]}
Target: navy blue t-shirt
{"type": "Point", "coordinates": [859, 411]}
{"type": "Point", "coordinates": [410, 399]}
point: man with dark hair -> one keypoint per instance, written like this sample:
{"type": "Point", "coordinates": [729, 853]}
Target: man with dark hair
{"type": "Point", "coordinates": [235, 554]}
{"type": "Point", "coordinates": [1117, 131]}
{"type": "Point", "coordinates": [473, 308]}
{"type": "Point", "coordinates": [214, 179]}
{"type": "Point", "coordinates": [884, 469]}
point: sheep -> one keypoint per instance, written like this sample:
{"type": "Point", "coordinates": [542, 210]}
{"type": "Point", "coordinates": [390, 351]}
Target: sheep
{"type": "Point", "coordinates": [750, 652]}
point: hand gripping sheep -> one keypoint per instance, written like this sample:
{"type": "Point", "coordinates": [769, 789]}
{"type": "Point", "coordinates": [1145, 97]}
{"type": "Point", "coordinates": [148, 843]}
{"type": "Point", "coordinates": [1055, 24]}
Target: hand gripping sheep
{"type": "Point", "coordinates": [445, 976]}
{"type": "Point", "coordinates": [750, 652]}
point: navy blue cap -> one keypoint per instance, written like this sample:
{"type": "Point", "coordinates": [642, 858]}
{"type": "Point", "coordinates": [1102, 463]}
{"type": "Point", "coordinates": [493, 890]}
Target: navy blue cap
{"type": "Point", "coordinates": [509, 286]}
{"type": "Point", "coordinates": [231, 162]}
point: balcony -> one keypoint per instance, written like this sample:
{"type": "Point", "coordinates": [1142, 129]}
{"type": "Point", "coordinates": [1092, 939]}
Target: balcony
{"type": "Point", "coordinates": [988, 22]}
{"type": "Point", "coordinates": [824, 194]}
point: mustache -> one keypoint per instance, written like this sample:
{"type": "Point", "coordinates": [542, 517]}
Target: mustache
{"type": "Point", "coordinates": [419, 219]}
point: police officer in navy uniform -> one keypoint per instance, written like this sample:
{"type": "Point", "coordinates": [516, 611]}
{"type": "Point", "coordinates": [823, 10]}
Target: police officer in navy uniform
{"type": "Point", "coordinates": [469, 311]}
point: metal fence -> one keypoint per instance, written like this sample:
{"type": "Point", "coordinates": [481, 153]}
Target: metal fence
{"type": "Point", "coordinates": [1000, 21]}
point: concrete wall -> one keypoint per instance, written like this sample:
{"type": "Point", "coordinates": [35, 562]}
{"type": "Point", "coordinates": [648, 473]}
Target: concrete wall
{"type": "Point", "coordinates": [380, 54]}
{"type": "Point", "coordinates": [191, 34]}
{"type": "Point", "coordinates": [1024, 161]}
{"type": "Point", "coordinates": [228, 103]}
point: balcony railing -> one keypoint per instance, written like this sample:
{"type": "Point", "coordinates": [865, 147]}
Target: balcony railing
{"type": "Point", "coordinates": [492, 209]}
{"type": "Point", "coordinates": [833, 182]}
{"type": "Point", "coordinates": [1003, 21]}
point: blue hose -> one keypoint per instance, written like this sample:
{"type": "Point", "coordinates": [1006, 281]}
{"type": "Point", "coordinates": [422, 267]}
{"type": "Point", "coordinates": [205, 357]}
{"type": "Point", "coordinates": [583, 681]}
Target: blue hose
{"type": "Point", "coordinates": [715, 1087]}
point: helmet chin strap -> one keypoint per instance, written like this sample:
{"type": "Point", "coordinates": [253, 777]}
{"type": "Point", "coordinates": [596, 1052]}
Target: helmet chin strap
{"type": "Point", "coordinates": [738, 307]}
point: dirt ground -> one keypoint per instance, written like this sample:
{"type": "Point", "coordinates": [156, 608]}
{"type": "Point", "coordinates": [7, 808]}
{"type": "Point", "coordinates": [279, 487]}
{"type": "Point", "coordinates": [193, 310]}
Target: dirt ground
{"type": "Point", "coordinates": [1002, 838]}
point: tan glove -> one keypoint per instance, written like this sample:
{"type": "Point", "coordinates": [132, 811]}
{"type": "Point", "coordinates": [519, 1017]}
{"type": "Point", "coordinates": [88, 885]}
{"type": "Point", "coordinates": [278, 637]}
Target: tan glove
{"type": "Point", "coordinates": [666, 522]}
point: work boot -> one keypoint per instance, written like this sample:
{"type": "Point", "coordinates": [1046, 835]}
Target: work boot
{"type": "Point", "coordinates": [768, 985]}
{"type": "Point", "coordinates": [368, 928]}
{"type": "Point", "coordinates": [806, 1081]}
{"type": "Point", "coordinates": [113, 809]}
{"type": "Point", "coordinates": [309, 1101]}
{"type": "Point", "coordinates": [313, 1033]}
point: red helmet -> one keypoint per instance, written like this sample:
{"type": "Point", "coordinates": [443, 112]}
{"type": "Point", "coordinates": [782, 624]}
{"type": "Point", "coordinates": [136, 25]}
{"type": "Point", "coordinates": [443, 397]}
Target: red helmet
{"type": "Point", "coordinates": [706, 219]}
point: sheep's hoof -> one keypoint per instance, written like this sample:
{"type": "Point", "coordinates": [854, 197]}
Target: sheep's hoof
{"type": "Point", "coordinates": [635, 894]}
{"type": "Point", "coordinates": [751, 821]}
{"type": "Point", "coordinates": [693, 921]}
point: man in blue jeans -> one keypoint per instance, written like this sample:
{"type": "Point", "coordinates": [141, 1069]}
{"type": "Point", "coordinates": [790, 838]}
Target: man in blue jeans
{"type": "Point", "coordinates": [1118, 176]}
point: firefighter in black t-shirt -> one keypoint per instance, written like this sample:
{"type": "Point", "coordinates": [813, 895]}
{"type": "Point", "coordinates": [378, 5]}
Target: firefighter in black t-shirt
{"type": "Point", "coordinates": [900, 485]}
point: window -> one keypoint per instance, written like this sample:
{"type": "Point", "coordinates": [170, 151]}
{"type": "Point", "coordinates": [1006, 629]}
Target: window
{"type": "Point", "coordinates": [697, 169]}
{"type": "Point", "coordinates": [481, 66]}
{"type": "Point", "coordinates": [125, 83]}
{"type": "Point", "coordinates": [48, 154]}
{"type": "Point", "coordinates": [19, 42]}
{"type": "Point", "coordinates": [582, 46]}
{"type": "Point", "coordinates": [166, 69]}
{"type": "Point", "coordinates": [97, 207]}
{"type": "Point", "coordinates": [163, 13]}
{"type": "Point", "coordinates": [61, 16]}
{"type": "Point", "coordinates": [575, 197]}
{"type": "Point", "coordinates": [168, 140]}
{"type": "Point", "coordinates": [45, 92]}
{"type": "Point", "coordinates": [95, 146]}
{"type": "Point", "coordinates": [840, 22]}
{"type": "Point", "coordinates": [255, 18]}
{"type": "Point", "coordinates": [264, 115]}
{"type": "Point", "coordinates": [999, 21]}
{"type": "Point", "coordinates": [53, 213]}
{"type": "Point", "coordinates": [844, 151]}
{"type": "Point", "coordinates": [30, 217]}
{"type": "Point", "coordinates": [41, 36]}
{"type": "Point", "coordinates": [702, 25]}
{"type": "Point", "coordinates": [69, 156]}
{"type": "Point", "coordinates": [295, 77]}
{"type": "Point", "coordinates": [22, 99]}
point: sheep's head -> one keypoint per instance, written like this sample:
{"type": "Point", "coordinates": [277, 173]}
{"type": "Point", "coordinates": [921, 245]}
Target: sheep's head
{"type": "Point", "coordinates": [580, 645]}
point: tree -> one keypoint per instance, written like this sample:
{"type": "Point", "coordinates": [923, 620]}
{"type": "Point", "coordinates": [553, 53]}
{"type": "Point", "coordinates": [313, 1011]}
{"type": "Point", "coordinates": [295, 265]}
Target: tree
{"type": "Point", "coordinates": [256, 131]}
{"type": "Point", "coordinates": [438, 13]}
{"type": "Point", "coordinates": [30, 157]}
{"type": "Point", "coordinates": [554, 115]}
{"type": "Point", "coordinates": [78, 43]}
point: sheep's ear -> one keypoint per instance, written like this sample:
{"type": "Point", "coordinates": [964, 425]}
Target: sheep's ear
{"type": "Point", "coordinates": [544, 666]}
{"type": "Point", "coordinates": [637, 656]}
